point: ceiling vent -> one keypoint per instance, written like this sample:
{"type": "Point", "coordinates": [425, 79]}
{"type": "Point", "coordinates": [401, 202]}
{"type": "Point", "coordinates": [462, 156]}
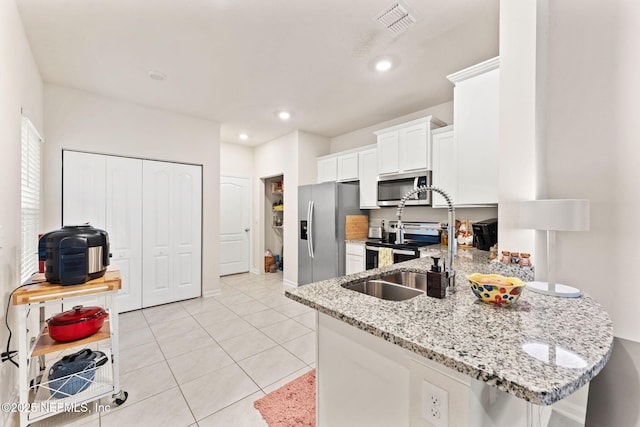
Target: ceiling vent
{"type": "Point", "coordinates": [396, 18]}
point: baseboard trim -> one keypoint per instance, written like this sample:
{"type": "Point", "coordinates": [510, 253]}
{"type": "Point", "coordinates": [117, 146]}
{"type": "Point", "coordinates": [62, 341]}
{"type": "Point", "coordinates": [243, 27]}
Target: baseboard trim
{"type": "Point", "coordinates": [574, 407]}
{"type": "Point", "coordinates": [289, 283]}
{"type": "Point", "coordinates": [254, 271]}
{"type": "Point", "coordinates": [213, 293]}
{"type": "Point", "coordinates": [571, 410]}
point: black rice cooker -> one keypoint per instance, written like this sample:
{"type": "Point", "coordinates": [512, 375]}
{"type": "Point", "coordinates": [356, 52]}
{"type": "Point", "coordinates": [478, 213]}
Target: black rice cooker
{"type": "Point", "coordinates": [74, 254]}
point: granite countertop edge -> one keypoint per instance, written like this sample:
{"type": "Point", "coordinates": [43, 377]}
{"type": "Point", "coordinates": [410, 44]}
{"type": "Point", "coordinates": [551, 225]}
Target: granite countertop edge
{"type": "Point", "coordinates": [530, 393]}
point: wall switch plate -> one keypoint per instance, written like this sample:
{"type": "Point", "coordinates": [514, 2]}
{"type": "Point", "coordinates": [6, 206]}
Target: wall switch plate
{"type": "Point", "coordinates": [435, 405]}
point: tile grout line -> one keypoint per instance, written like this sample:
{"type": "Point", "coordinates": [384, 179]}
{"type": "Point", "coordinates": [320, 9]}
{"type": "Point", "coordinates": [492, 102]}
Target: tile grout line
{"type": "Point", "coordinates": [217, 342]}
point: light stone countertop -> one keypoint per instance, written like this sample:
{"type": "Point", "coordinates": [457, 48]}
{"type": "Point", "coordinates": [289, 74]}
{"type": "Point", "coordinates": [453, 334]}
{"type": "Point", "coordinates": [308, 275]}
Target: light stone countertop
{"type": "Point", "coordinates": [507, 347]}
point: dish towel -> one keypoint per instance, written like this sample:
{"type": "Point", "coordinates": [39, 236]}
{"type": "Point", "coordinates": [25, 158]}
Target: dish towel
{"type": "Point", "coordinates": [385, 257]}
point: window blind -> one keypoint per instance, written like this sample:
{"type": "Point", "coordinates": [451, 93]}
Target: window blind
{"type": "Point", "coordinates": [30, 199]}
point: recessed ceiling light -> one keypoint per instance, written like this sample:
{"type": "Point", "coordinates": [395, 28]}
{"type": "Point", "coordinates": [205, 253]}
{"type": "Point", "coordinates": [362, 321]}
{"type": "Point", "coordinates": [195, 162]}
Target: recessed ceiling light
{"type": "Point", "coordinates": [384, 65]}
{"type": "Point", "coordinates": [156, 75]}
{"type": "Point", "coordinates": [243, 136]}
{"type": "Point", "coordinates": [284, 115]}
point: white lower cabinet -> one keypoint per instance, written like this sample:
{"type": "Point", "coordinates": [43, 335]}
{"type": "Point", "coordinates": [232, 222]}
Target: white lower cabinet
{"type": "Point", "coordinates": [354, 258]}
{"type": "Point", "coordinates": [153, 221]}
{"type": "Point", "coordinates": [364, 380]}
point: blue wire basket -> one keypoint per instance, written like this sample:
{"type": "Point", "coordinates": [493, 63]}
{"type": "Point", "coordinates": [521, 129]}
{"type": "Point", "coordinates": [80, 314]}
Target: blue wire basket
{"type": "Point", "coordinates": [69, 378]}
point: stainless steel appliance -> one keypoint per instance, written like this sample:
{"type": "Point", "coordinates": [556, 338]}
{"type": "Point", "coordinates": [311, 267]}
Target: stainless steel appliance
{"type": "Point", "coordinates": [74, 254]}
{"type": "Point", "coordinates": [322, 209]}
{"type": "Point", "coordinates": [417, 235]}
{"type": "Point", "coordinates": [392, 188]}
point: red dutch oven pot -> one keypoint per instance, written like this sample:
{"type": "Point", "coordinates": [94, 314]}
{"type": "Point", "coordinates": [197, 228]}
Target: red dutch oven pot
{"type": "Point", "coordinates": [77, 323]}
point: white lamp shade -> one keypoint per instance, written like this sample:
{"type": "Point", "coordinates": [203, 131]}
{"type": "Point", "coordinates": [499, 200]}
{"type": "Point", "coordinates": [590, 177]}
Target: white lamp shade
{"type": "Point", "coordinates": [555, 214]}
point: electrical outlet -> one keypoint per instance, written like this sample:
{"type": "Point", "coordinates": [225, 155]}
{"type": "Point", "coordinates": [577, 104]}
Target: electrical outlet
{"type": "Point", "coordinates": [435, 405]}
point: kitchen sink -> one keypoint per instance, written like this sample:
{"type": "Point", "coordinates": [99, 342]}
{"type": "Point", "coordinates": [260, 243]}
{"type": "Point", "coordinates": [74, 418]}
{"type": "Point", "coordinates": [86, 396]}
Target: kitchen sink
{"type": "Point", "coordinates": [409, 279]}
{"type": "Point", "coordinates": [385, 290]}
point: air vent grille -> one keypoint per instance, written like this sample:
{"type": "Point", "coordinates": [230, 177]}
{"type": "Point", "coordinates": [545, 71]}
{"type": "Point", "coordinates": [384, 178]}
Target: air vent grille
{"type": "Point", "coordinates": [396, 18]}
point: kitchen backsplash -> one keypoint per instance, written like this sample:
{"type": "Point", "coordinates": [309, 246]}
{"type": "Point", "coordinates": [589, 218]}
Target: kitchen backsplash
{"type": "Point", "coordinates": [428, 214]}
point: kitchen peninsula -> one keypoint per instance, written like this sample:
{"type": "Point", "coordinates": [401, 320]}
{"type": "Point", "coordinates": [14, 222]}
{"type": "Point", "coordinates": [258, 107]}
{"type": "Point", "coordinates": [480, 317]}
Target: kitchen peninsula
{"type": "Point", "coordinates": [379, 359]}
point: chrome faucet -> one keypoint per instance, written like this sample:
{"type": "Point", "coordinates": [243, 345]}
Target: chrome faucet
{"type": "Point", "coordinates": [451, 248]}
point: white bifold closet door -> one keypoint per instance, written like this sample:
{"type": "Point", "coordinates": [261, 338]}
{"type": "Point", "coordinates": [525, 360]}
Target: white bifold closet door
{"type": "Point", "coordinates": [172, 223]}
{"type": "Point", "coordinates": [106, 192]}
{"type": "Point", "coordinates": [84, 189]}
{"type": "Point", "coordinates": [158, 251]}
{"type": "Point", "coordinates": [124, 225]}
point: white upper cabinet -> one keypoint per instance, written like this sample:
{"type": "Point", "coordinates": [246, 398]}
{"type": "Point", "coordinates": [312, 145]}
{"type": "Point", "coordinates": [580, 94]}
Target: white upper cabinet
{"type": "Point", "coordinates": [388, 153]}
{"type": "Point", "coordinates": [327, 168]}
{"type": "Point", "coordinates": [360, 164]}
{"type": "Point", "coordinates": [445, 166]}
{"type": "Point", "coordinates": [407, 146]}
{"type": "Point", "coordinates": [414, 152]}
{"type": "Point", "coordinates": [476, 118]}
{"type": "Point", "coordinates": [347, 167]}
{"type": "Point", "coordinates": [368, 169]}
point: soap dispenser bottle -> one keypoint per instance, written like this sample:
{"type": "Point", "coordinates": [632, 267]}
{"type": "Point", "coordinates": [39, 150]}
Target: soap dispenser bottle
{"type": "Point", "coordinates": [436, 280]}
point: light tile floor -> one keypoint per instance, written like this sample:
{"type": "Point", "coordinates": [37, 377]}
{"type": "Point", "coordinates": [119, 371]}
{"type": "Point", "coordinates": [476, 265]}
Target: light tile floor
{"type": "Point", "coordinates": [203, 362]}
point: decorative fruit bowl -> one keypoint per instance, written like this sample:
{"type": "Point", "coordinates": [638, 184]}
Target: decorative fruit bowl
{"type": "Point", "coordinates": [496, 289]}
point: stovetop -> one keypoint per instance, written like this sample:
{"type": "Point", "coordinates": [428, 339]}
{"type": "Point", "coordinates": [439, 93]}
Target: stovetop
{"type": "Point", "coordinates": [417, 235]}
{"type": "Point", "coordinates": [410, 245]}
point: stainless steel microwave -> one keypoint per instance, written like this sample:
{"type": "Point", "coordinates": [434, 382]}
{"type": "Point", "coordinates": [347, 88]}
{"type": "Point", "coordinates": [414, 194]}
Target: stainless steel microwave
{"type": "Point", "coordinates": [392, 188]}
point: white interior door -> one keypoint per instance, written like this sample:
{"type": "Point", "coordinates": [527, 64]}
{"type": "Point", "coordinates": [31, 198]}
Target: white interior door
{"type": "Point", "coordinates": [124, 225]}
{"type": "Point", "coordinates": [187, 228]}
{"type": "Point", "coordinates": [156, 236]}
{"type": "Point", "coordinates": [172, 216]}
{"type": "Point", "coordinates": [83, 189]}
{"type": "Point", "coordinates": [235, 215]}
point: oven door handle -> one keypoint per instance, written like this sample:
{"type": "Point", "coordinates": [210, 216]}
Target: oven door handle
{"type": "Point", "coordinates": [372, 248]}
{"type": "Point", "coordinates": [404, 252]}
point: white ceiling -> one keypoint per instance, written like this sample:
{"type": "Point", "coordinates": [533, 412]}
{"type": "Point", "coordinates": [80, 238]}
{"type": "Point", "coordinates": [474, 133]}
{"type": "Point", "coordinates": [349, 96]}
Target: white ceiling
{"type": "Point", "coordinates": [238, 62]}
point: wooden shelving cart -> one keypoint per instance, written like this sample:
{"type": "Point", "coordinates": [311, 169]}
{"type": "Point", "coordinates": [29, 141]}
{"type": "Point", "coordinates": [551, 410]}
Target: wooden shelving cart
{"type": "Point", "coordinates": [36, 400]}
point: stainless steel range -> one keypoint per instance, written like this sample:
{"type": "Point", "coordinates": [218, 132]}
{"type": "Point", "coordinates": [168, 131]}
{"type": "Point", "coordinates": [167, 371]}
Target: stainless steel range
{"type": "Point", "coordinates": [416, 235]}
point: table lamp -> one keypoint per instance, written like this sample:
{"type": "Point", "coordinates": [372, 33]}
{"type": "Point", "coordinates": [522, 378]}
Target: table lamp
{"type": "Point", "coordinates": [552, 215]}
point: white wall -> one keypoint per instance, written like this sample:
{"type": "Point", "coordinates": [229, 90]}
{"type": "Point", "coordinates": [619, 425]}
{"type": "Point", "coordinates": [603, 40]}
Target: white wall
{"type": "Point", "coordinates": [593, 153]}
{"type": "Point", "coordinates": [365, 136]}
{"type": "Point", "coordinates": [20, 87]}
{"type": "Point", "coordinates": [310, 147]}
{"type": "Point", "coordinates": [277, 157]}
{"type": "Point", "coordinates": [519, 138]}
{"type": "Point", "coordinates": [236, 160]}
{"type": "Point", "coordinates": [579, 131]}
{"type": "Point", "coordinates": [83, 121]}
{"type": "Point", "coordinates": [292, 155]}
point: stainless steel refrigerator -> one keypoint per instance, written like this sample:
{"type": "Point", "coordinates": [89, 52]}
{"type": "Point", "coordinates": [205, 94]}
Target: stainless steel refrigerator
{"type": "Point", "coordinates": [322, 209]}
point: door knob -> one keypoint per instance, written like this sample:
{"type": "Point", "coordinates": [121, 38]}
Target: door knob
{"type": "Point", "coordinates": [247, 229]}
